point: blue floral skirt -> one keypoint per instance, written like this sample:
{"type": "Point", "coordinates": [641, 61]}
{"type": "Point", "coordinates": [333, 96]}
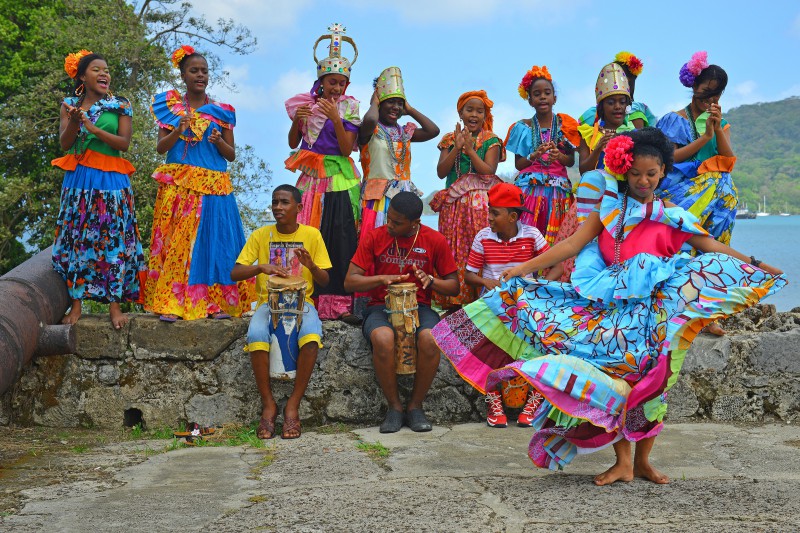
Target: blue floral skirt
{"type": "Point", "coordinates": [97, 249]}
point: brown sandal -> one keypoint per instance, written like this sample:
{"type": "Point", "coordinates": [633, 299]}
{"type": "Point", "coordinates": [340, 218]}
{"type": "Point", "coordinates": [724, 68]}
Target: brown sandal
{"type": "Point", "coordinates": [290, 425]}
{"type": "Point", "coordinates": [266, 427]}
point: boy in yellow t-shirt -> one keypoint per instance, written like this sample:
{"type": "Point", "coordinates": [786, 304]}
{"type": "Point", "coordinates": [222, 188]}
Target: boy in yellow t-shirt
{"type": "Point", "coordinates": [283, 249]}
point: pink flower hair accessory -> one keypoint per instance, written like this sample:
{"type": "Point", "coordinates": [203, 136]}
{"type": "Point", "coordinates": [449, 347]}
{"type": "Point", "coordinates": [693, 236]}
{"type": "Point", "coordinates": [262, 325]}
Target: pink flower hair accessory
{"type": "Point", "coordinates": [618, 156]}
{"type": "Point", "coordinates": [691, 69]}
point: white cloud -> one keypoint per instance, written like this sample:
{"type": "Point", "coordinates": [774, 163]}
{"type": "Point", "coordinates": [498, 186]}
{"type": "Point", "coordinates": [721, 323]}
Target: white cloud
{"type": "Point", "coordinates": [255, 14]}
{"type": "Point", "coordinates": [460, 11]}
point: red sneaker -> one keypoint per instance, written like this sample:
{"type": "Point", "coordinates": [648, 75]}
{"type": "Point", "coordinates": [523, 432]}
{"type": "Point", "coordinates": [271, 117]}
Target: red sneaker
{"type": "Point", "coordinates": [496, 417]}
{"type": "Point", "coordinates": [525, 418]}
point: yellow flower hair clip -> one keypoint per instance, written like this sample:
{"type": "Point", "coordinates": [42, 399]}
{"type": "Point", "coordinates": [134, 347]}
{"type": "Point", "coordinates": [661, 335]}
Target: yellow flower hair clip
{"type": "Point", "coordinates": [180, 53]}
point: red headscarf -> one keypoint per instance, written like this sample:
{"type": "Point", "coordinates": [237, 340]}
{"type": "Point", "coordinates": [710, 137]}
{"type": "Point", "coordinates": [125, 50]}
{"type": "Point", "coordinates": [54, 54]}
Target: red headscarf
{"type": "Point", "coordinates": [480, 95]}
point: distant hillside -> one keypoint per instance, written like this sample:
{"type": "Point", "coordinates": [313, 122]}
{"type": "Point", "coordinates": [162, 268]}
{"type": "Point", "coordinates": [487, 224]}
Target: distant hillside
{"type": "Point", "coordinates": [766, 140]}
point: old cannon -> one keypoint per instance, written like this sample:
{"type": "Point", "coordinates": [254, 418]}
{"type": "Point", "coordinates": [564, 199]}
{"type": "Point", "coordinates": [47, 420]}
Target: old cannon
{"type": "Point", "coordinates": [33, 299]}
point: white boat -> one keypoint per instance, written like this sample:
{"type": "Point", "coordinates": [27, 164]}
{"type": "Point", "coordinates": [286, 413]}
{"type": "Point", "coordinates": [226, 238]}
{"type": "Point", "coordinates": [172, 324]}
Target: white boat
{"type": "Point", "coordinates": [763, 212]}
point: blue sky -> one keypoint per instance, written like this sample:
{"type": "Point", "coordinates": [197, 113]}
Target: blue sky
{"type": "Point", "coordinates": [446, 47]}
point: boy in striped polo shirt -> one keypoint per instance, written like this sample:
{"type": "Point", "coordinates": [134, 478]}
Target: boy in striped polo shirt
{"type": "Point", "coordinates": [506, 243]}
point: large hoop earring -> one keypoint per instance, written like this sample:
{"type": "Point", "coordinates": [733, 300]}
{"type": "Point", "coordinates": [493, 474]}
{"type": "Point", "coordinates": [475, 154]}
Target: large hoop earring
{"type": "Point", "coordinates": [320, 90]}
{"type": "Point", "coordinates": [109, 95]}
{"type": "Point", "coordinates": [79, 90]}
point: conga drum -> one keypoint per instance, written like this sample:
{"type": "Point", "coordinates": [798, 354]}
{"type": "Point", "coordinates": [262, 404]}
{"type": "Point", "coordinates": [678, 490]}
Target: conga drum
{"type": "Point", "coordinates": [401, 304]}
{"type": "Point", "coordinates": [286, 300]}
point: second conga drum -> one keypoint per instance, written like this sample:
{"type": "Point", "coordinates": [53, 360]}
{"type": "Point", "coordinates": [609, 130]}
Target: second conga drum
{"type": "Point", "coordinates": [401, 304]}
{"type": "Point", "coordinates": [286, 300]}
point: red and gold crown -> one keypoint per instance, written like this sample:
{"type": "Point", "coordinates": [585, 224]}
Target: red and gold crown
{"type": "Point", "coordinates": [335, 63]}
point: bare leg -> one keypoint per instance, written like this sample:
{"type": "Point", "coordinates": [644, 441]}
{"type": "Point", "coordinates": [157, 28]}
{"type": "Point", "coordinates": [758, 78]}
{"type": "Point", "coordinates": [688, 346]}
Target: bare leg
{"type": "Point", "coordinates": [382, 339]}
{"type": "Point", "coordinates": [622, 469]}
{"type": "Point", "coordinates": [259, 359]}
{"type": "Point", "coordinates": [305, 364]}
{"type": "Point", "coordinates": [74, 313]}
{"type": "Point", "coordinates": [641, 462]}
{"type": "Point", "coordinates": [428, 356]}
{"type": "Point", "coordinates": [118, 318]}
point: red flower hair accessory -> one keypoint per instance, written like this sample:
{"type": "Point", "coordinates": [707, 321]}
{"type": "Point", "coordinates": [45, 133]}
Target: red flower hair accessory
{"type": "Point", "coordinates": [180, 53]}
{"type": "Point", "coordinates": [72, 60]}
{"type": "Point", "coordinates": [618, 156]}
{"type": "Point", "coordinates": [533, 74]}
{"type": "Point", "coordinates": [633, 63]}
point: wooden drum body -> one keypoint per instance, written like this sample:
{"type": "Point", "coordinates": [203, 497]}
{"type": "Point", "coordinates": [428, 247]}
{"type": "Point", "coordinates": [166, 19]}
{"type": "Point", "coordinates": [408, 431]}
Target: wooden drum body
{"type": "Point", "coordinates": [401, 304]}
{"type": "Point", "coordinates": [286, 301]}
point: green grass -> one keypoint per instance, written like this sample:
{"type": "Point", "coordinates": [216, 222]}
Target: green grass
{"type": "Point", "coordinates": [137, 431]}
{"type": "Point", "coordinates": [333, 429]}
{"type": "Point", "coordinates": [375, 451]}
{"type": "Point", "coordinates": [80, 448]}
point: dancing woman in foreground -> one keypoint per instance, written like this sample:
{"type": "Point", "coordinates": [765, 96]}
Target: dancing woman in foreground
{"type": "Point", "coordinates": [604, 350]}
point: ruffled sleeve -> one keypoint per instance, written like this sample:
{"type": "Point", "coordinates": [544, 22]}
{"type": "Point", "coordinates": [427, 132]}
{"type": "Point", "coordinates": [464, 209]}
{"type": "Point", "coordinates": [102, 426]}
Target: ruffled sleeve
{"type": "Point", "coordinates": [569, 127]}
{"type": "Point", "coordinates": [167, 109]}
{"type": "Point", "coordinates": [676, 128]}
{"type": "Point", "coordinates": [589, 193]}
{"type": "Point", "coordinates": [641, 111]}
{"type": "Point", "coordinates": [348, 110]}
{"type": "Point", "coordinates": [447, 142]}
{"type": "Point", "coordinates": [588, 116]}
{"type": "Point", "coordinates": [518, 140]}
{"type": "Point", "coordinates": [487, 139]}
{"type": "Point", "coordinates": [222, 114]}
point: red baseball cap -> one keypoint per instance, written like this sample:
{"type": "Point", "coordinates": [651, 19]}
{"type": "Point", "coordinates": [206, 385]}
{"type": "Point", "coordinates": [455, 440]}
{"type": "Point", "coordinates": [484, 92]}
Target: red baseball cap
{"type": "Point", "coordinates": [507, 195]}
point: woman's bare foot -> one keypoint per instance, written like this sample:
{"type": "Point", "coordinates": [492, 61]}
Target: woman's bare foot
{"type": "Point", "coordinates": [118, 318]}
{"type": "Point", "coordinates": [74, 313]}
{"type": "Point", "coordinates": [619, 472]}
{"type": "Point", "coordinates": [647, 471]}
{"type": "Point", "coordinates": [714, 329]}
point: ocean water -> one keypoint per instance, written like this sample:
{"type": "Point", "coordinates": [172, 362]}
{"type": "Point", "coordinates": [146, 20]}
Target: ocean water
{"type": "Point", "coordinates": [773, 239]}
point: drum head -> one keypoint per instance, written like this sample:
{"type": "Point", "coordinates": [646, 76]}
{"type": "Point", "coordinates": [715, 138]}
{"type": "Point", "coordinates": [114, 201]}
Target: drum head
{"type": "Point", "coordinates": [289, 282]}
{"type": "Point", "coordinates": [401, 287]}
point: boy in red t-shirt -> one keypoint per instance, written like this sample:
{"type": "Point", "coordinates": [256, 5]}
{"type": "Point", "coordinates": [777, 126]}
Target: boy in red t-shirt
{"type": "Point", "coordinates": [403, 251]}
{"type": "Point", "coordinates": [506, 243]}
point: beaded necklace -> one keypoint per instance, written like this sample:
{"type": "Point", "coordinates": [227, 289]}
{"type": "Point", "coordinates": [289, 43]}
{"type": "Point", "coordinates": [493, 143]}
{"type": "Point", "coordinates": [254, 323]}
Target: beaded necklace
{"type": "Point", "coordinates": [387, 136]}
{"type": "Point", "coordinates": [537, 137]}
{"type": "Point", "coordinates": [193, 141]}
{"type": "Point", "coordinates": [404, 260]}
{"type": "Point", "coordinates": [619, 233]}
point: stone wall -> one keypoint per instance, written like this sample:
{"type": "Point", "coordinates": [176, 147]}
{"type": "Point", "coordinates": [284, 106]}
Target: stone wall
{"type": "Point", "coordinates": [163, 374]}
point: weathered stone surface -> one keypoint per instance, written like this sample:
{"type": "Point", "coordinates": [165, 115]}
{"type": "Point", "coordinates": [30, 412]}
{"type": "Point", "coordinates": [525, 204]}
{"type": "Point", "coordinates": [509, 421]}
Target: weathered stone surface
{"type": "Point", "coordinates": [203, 340]}
{"type": "Point", "coordinates": [779, 351]}
{"type": "Point", "coordinates": [197, 371]}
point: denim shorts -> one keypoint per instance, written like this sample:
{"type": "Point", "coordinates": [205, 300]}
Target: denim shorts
{"type": "Point", "coordinates": [259, 334]}
{"type": "Point", "coordinates": [375, 317]}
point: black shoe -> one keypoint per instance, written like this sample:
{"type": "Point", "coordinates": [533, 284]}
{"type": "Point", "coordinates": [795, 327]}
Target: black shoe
{"type": "Point", "coordinates": [393, 422]}
{"type": "Point", "coordinates": [417, 421]}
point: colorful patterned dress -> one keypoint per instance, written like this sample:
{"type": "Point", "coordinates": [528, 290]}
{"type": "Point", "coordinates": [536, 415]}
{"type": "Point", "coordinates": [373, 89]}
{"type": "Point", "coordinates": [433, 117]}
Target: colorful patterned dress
{"type": "Point", "coordinates": [97, 248]}
{"type": "Point", "coordinates": [197, 231]}
{"type": "Point", "coordinates": [603, 351]}
{"type": "Point", "coordinates": [547, 189]}
{"type": "Point", "coordinates": [463, 208]}
{"type": "Point", "coordinates": [386, 162]}
{"type": "Point", "coordinates": [702, 185]}
{"type": "Point", "coordinates": [331, 187]}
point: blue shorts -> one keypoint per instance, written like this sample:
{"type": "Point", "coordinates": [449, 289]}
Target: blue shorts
{"type": "Point", "coordinates": [375, 317]}
{"type": "Point", "coordinates": [260, 331]}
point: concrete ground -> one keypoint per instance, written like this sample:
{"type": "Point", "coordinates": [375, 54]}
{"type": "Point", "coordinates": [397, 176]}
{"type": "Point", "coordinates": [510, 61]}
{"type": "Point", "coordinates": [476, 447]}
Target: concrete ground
{"type": "Point", "coordinates": [464, 478]}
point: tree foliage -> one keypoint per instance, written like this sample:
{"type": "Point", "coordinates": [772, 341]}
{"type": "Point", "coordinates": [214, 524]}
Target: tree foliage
{"type": "Point", "coordinates": [765, 140]}
{"type": "Point", "coordinates": [135, 38]}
